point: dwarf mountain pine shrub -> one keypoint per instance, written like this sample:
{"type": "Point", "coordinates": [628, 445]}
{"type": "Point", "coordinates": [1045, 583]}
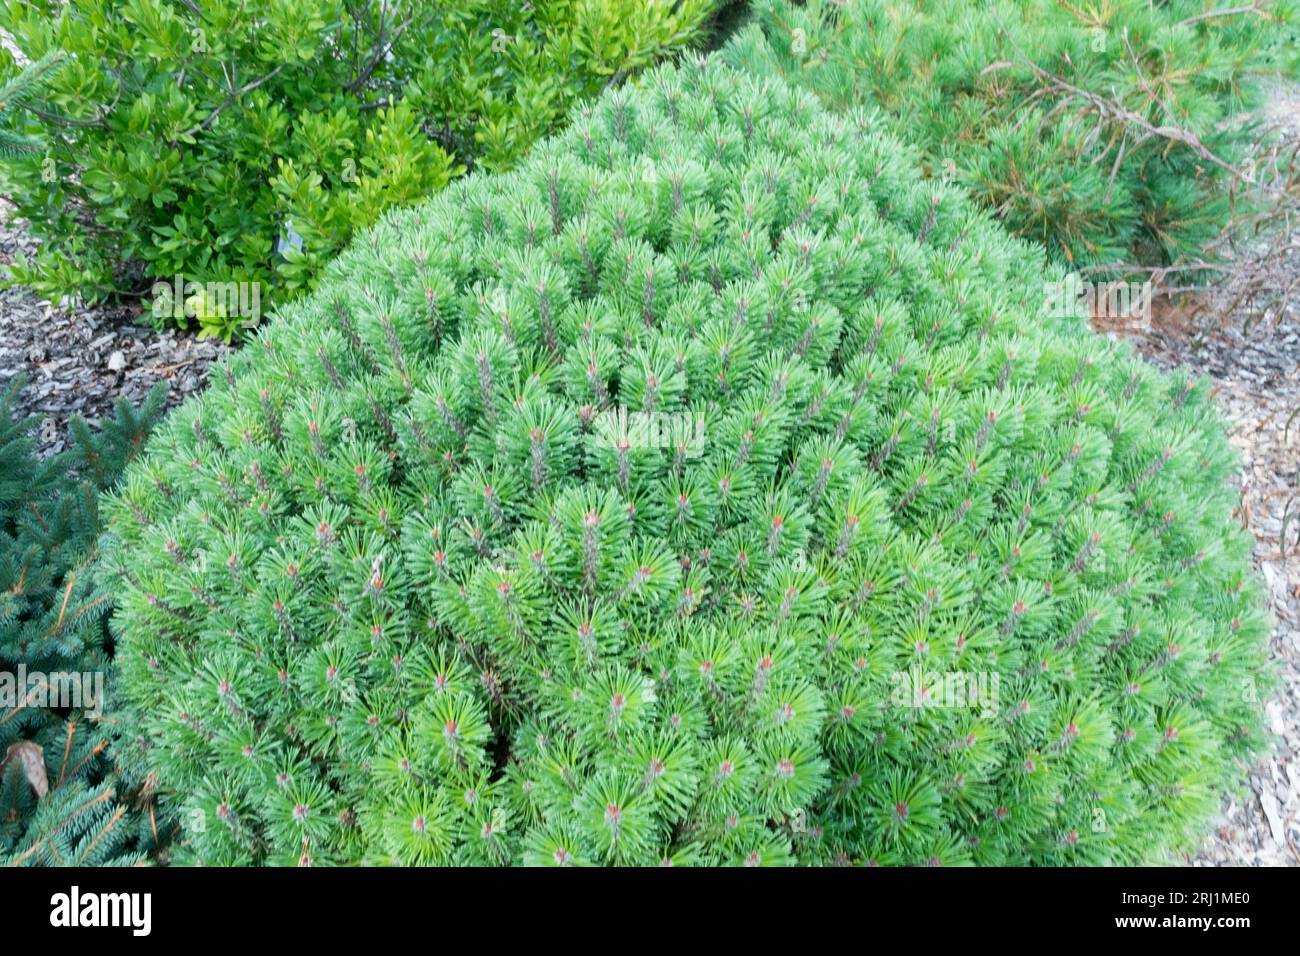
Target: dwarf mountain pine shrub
{"type": "Point", "coordinates": [711, 489]}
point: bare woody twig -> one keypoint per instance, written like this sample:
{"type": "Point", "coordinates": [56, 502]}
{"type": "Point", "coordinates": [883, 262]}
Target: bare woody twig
{"type": "Point", "coordinates": [1103, 105]}
{"type": "Point", "coordinates": [364, 76]}
{"type": "Point", "coordinates": [1227, 12]}
{"type": "Point", "coordinates": [234, 95]}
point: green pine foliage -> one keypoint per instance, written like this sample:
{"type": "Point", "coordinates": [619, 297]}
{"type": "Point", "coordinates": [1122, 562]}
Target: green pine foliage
{"type": "Point", "coordinates": [712, 489]}
{"type": "Point", "coordinates": [246, 140]}
{"type": "Point", "coordinates": [17, 92]}
{"type": "Point", "coordinates": [71, 792]}
{"type": "Point", "coordinates": [1098, 169]}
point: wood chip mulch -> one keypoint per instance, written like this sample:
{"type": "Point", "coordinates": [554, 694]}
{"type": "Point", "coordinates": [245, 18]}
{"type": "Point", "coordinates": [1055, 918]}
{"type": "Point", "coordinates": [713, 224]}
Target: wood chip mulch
{"type": "Point", "coordinates": [79, 360]}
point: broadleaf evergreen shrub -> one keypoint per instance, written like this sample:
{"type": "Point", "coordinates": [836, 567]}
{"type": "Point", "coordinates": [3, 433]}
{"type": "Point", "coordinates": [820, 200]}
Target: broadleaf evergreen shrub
{"type": "Point", "coordinates": [649, 502]}
{"type": "Point", "coordinates": [246, 140]}
{"type": "Point", "coordinates": [1062, 166]}
{"type": "Point", "coordinates": [73, 789]}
